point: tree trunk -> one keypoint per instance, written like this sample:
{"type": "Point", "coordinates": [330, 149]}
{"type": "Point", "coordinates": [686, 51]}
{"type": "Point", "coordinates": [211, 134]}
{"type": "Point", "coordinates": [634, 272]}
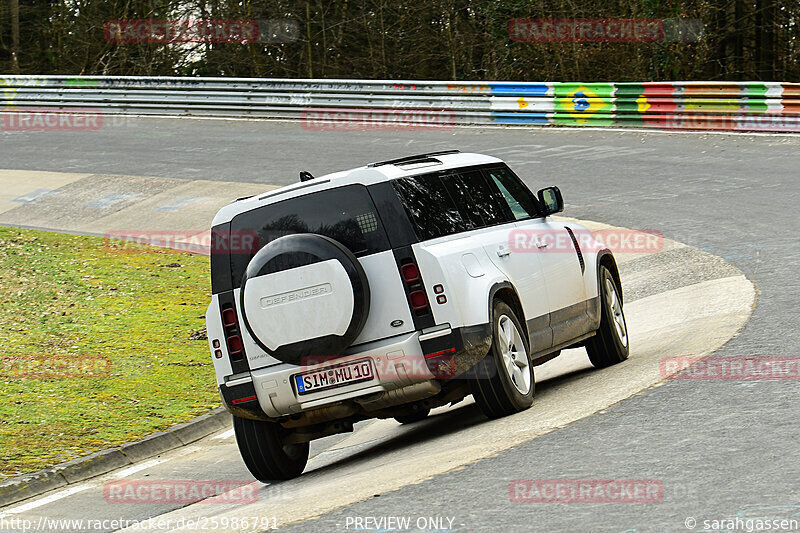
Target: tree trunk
{"type": "Point", "coordinates": [738, 38]}
{"type": "Point", "coordinates": [721, 22]}
{"type": "Point", "coordinates": [308, 36]}
{"type": "Point", "coordinates": [768, 39]}
{"type": "Point", "coordinates": [14, 8]}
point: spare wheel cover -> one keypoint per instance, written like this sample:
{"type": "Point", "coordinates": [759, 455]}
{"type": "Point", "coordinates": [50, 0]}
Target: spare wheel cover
{"type": "Point", "coordinates": [304, 295]}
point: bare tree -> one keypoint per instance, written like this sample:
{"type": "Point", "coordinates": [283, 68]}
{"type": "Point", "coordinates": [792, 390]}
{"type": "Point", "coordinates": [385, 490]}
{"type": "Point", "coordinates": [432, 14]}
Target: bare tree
{"type": "Point", "coordinates": [14, 13]}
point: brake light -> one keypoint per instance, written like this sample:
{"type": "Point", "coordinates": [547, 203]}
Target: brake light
{"type": "Point", "coordinates": [414, 287]}
{"type": "Point", "coordinates": [418, 300]}
{"type": "Point", "coordinates": [228, 317]}
{"type": "Point", "coordinates": [235, 345]}
{"type": "Point", "coordinates": [410, 272]}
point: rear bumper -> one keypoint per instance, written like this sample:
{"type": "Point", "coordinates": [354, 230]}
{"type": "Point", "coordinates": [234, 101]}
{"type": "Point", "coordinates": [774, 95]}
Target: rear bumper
{"type": "Point", "coordinates": [398, 362]}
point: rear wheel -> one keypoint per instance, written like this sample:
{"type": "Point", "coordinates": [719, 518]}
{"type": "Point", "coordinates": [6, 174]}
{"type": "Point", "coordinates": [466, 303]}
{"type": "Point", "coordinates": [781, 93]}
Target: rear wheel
{"type": "Point", "coordinates": [504, 381]}
{"type": "Point", "coordinates": [265, 452]}
{"type": "Point", "coordinates": [416, 416]}
{"type": "Point", "coordinates": [609, 346]}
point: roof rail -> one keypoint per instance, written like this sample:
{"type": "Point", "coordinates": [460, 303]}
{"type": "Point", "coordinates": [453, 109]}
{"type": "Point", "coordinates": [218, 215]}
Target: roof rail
{"type": "Point", "coordinates": [413, 158]}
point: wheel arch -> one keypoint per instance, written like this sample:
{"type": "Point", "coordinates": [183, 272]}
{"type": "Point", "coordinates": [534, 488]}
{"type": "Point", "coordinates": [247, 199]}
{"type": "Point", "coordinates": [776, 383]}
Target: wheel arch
{"type": "Point", "coordinates": [606, 258]}
{"type": "Point", "coordinates": [506, 292]}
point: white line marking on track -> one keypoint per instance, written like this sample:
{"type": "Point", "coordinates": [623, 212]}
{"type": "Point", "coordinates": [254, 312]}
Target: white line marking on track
{"type": "Point", "coordinates": [137, 468]}
{"type": "Point", "coordinates": [49, 499]}
{"type": "Point", "coordinates": [228, 434]}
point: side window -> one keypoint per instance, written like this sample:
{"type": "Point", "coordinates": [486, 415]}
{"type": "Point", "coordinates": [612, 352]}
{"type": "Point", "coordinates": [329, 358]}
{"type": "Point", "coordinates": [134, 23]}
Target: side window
{"type": "Point", "coordinates": [475, 199]}
{"type": "Point", "coordinates": [514, 192]}
{"type": "Point", "coordinates": [430, 207]}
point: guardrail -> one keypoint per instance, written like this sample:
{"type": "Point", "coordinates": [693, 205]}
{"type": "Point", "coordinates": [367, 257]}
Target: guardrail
{"type": "Point", "coordinates": [739, 106]}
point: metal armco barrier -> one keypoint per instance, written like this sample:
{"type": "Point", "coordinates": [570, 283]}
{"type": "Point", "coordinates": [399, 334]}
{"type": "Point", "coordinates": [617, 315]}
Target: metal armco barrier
{"type": "Point", "coordinates": [731, 106]}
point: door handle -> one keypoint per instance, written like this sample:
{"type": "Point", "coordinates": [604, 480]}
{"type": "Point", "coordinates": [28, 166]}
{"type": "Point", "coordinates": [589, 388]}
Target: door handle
{"type": "Point", "coordinates": [503, 251]}
{"type": "Point", "coordinates": [542, 245]}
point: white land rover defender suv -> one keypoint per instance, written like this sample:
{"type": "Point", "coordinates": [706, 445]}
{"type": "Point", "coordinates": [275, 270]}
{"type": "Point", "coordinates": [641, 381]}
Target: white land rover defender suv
{"type": "Point", "coordinates": [390, 289]}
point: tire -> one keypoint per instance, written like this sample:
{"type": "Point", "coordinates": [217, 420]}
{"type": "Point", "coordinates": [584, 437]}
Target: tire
{"type": "Point", "coordinates": [610, 345]}
{"type": "Point", "coordinates": [413, 417]}
{"type": "Point", "coordinates": [499, 388]}
{"type": "Point", "coordinates": [263, 452]}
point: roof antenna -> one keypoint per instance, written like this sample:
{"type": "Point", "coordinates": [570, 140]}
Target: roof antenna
{"type": "Point", "coordinates": [305, 176]}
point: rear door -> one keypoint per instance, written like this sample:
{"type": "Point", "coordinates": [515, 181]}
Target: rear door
{"type": "Point", "coordinates": [469, 206]}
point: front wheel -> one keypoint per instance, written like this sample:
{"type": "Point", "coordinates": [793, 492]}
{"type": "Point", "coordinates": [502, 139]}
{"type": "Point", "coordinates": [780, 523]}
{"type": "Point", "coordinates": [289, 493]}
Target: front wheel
{"type": "Point", "coordinates": [609, 346]}
{"type": "Point", "coordinates": [504, 382]}
{"type": "Point", "coordinates": [265, 452]}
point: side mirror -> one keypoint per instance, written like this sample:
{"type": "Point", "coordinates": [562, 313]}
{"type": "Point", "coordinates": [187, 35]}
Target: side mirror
{"type": "Point", "coordinates": [550, 200]}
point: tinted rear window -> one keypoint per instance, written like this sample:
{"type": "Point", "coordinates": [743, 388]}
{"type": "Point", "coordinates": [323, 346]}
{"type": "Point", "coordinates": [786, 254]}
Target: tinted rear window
{"type": "Point", "coordinates": [430, 206]}
{"type": "Point", "coordinates": [346, 214]}
{"type": "Point", "coordinates": [476, 199]}
{"type": "Point", "coordinates": [450, 202]}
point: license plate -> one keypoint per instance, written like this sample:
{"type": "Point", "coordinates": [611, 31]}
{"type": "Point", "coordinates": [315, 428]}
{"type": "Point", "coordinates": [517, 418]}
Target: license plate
{"type": "Point", "coordinates": [334, 376]}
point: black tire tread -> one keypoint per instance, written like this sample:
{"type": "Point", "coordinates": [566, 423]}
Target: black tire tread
{"type": "Point", "coordinates": [262, 452]}
{"type": "Point", "coordinates": [602, 349]}
{"type": "Point", "coordinates": [487, 387]}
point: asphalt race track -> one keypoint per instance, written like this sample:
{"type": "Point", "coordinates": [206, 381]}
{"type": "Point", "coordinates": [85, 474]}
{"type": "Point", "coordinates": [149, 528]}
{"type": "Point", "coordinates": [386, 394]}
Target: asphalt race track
{"type": "Point", "coordinates": [720, 449]}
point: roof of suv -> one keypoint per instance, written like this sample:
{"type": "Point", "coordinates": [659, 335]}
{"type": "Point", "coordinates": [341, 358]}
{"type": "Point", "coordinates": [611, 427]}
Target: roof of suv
{"type": "Point", "coordinates": [366, 175]}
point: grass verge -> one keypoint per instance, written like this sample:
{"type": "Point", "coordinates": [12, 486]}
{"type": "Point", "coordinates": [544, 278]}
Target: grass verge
{"type": "Point", "coordinates": [96, 347]}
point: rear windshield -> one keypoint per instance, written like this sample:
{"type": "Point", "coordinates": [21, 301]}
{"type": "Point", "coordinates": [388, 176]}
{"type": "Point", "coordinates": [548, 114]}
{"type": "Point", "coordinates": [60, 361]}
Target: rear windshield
{"type": "Point", "coordinates": [346, 214]}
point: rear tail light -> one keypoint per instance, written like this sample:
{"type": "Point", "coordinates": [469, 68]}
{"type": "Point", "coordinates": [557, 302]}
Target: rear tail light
{"type": "Point", "coordinates": [233, 336]}
{"type": "Point", "coordinates": [410, 273]}
{"type": "Point", "coordinates": [418, 300]}
{"type": "Point", "coordinates": [228, 317]}
{"type": "Point", "coordinates": [414, 287]}
{"type": "Point", "coordinates": [235, 346]}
